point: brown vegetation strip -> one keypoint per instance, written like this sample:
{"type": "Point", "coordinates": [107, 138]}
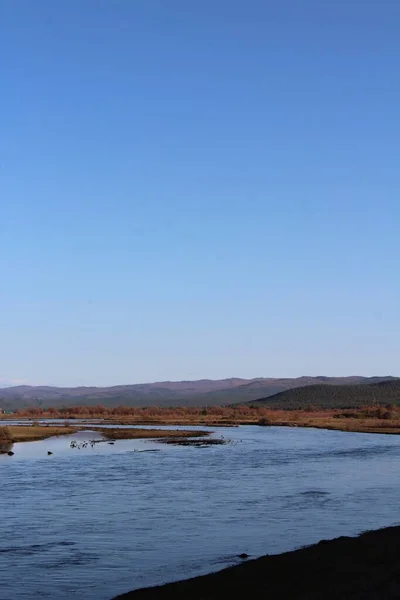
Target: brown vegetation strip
{"type": "Point", "coordinates": [369, 419]}
{"type": "Point", "coordinates": [363, 568]}
{"type": "Point", "coordinates": [33, 433]}
{"type": "Point", "coordinates": [131, 434]}
{"type": "Point", "coordinates": [197, 443]}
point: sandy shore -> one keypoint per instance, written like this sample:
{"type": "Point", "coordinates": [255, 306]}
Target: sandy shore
{"type": "Point", "coordinates": [362, 568]}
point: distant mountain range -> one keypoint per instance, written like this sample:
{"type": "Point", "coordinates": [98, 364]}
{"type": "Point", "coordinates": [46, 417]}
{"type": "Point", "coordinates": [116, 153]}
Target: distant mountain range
{"type": "Point", "coordinates": [7, 384]}
{"type": "Point", "coordinates": [168, 393]}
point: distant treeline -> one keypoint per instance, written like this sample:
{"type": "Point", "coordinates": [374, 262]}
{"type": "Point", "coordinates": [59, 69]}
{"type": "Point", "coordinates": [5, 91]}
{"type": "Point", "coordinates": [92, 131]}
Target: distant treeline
{"type": "Point", "coordinates": [334, 396]}
{"type": "Point", "coordinates": [141, 414]}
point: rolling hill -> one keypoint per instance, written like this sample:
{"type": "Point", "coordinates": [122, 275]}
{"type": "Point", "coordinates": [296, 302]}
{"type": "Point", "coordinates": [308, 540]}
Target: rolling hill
{"type": "Point", "coordinates": [335, 396]}
{"type": "Point", "coordinates": [169, 393]}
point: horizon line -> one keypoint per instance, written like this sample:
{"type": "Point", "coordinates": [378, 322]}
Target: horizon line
{"type": "Point", "coordinates": [7, 384]}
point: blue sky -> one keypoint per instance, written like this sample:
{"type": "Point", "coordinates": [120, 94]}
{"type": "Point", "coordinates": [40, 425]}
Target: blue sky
{"type": "Point", "coordinates": [198, 189]}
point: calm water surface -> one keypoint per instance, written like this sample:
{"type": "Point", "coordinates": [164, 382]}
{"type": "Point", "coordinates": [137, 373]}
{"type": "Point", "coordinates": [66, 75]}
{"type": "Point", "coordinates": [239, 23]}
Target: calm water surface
{"type": "Point", "coordinates": [89, 524]}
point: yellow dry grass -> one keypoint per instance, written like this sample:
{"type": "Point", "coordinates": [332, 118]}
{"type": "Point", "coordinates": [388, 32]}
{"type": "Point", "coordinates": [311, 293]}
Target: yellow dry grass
{"type": "Point", "coordinates": [32, 433]}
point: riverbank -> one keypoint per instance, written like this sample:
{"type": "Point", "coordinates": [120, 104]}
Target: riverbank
{"type": "Point", "coordinates": [367, 419]}
{"type": "Point", "coordinates": [361, 568]}
{"type": "Point", "coordinates": [318, 421]}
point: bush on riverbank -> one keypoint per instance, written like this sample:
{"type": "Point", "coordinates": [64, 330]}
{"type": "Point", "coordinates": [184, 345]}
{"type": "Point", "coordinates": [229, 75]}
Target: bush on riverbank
{"type": "Point", "coordinates": [6, 440]}
{"type": "Point", "coordinates": [5, 435]}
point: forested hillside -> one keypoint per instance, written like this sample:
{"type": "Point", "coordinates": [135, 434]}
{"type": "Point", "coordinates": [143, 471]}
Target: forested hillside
{"type": "Point", "coordinates": [334, 396]}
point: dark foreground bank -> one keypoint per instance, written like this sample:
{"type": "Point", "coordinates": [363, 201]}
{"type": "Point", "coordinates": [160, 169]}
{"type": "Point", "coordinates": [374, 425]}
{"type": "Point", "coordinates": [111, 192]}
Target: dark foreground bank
{"type": "Point", "coordinates": [366, 567]}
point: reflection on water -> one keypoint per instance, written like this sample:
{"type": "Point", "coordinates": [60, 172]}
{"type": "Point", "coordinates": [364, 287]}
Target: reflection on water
{"type": "Point", "coordinates": [94, 522]}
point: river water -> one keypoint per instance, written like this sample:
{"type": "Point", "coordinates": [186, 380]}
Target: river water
{"type": "Point", "coordinates": [93, 523]}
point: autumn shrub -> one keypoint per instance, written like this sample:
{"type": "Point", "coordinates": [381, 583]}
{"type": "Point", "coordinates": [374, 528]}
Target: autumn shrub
{"type": "Point", "coordinates": [348, 415]}
{"type": "Point", "coordinates": [264, 422]}
{"type": "Point", "coordinates": [5, 435]}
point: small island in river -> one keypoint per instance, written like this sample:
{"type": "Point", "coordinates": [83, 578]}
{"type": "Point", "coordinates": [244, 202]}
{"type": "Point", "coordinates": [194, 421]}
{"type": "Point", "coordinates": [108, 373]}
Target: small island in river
{"type": "Point", "coordinates": [29, 433]}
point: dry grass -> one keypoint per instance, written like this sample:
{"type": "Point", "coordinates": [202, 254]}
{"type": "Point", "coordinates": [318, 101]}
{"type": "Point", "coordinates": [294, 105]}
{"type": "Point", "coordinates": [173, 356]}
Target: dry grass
{"type": "Point", "coordinates": [330, 421]}
{"type": "Point", "coordinates": [31, 433]}
{"type": "Point", "coordinates": [34, 433]}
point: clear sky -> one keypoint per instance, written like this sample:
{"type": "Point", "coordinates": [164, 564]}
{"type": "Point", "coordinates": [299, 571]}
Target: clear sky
{"type": "Point", "coordinates": [203, 188]}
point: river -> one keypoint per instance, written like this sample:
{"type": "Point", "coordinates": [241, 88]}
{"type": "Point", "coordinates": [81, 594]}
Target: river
{"type": "Point", "coordinates": [92, 523]}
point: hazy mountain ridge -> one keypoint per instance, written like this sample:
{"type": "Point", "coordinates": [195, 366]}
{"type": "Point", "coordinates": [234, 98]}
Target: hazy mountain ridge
{"type": "Point", "coordinates": [195, 393]}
